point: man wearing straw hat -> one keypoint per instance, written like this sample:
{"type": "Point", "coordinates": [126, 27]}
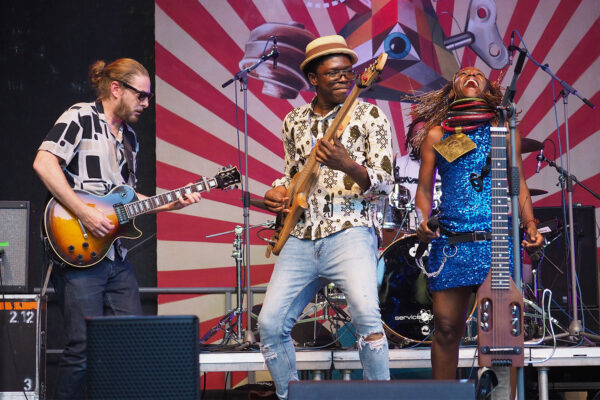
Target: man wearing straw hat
{"type": "Point", "coordinates": [335, 240]}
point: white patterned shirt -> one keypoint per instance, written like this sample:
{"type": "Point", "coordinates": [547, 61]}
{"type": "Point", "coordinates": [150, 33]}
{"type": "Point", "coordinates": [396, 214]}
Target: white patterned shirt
{"type": "Point", "coordinates": [94, 159]}
{"type": "Point", "coordinates": [337, 202]}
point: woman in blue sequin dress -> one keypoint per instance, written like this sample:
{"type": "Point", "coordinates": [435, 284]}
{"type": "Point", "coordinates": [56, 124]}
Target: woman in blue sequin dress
{"type": "Point", "coordinates": [464, 266]}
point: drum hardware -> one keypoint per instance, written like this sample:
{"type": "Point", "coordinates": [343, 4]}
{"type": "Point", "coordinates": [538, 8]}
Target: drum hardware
{"type": "Point", "coordinates": [334, 295]}
{"type": "Point", "coordinates": [529, 145]}
{"type": "Point", "coordinates": [226, 324]}
{"type": "Point", "coordinates": [437, 197]}
{"type": "Point", "coordinates": [395, 214]}
{"type": "Point", "coordinates": [330, 301]}
{"type": "Point", "coordinates": [537, 192]}
{"type": "Point", "coordinates": [391, 211]}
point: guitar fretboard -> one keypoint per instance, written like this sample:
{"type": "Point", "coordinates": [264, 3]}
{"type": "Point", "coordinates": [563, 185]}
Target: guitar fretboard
{"type": "Point", "coordinates": [139, 207]}
{"type": "Point", "coordinates": [500, 268]}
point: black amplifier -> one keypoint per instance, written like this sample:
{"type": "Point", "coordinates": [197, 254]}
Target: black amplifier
{"type": "Point", "coordinates": [22, 346]}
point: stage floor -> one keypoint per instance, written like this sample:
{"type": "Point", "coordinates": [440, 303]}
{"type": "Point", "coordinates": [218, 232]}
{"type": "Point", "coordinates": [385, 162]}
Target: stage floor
{"type": "Point", "coordinates": [542, 358]}
{"type": "Point", "coordinates": [399, 358]}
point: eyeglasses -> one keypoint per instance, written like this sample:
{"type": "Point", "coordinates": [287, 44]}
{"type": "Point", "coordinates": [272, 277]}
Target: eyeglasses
{"type": "Point", "coordinates": [337, 74]}
{"type": "Point", "coordinates": [140, 95]}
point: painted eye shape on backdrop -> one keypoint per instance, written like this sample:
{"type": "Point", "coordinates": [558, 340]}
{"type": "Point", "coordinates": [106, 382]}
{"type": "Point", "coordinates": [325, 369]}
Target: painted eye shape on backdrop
{"type": "Point", "coordinates": [397, 45]}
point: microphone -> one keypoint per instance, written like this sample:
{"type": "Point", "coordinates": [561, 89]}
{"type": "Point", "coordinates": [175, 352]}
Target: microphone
{"type": "Point", "coordinates": [511, 52]}
{"type": "Point", "coordinates": [275, 52]}
{"type": "Point", "coordinates": [539, 158]}
{"type": "Point", "coordinates": [433, 224]}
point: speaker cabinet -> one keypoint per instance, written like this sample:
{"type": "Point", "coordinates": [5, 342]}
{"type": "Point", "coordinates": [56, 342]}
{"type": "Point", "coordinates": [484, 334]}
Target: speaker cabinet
{"type": "Point", "coordinates": [14, 246]}
{"type": "Point", "coordinates": [554, 268]}
{"type": "Point", "coordinates": [22, 346]}
{"type": "Point", "coordinates": [423, 389]}
{"type": "Point", "coordinates": [150, 357]}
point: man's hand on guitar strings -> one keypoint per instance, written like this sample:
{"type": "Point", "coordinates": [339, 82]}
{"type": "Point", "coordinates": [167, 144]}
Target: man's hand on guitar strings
{"type": "Point", "coordinates": [333, 155]}
{"type": "Point", "coordinates": [276, 199]}
{"type": "Point", "coordinates": [96, 222]}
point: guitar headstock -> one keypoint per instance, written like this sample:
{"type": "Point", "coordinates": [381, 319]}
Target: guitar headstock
{"type": "Point", "coordinates": [229, 176]}
{"type": "Point", "coordinates": [368, 76]}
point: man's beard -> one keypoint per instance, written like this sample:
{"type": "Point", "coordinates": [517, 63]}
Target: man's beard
{"type": "Point", "coordinates": [123, 112]}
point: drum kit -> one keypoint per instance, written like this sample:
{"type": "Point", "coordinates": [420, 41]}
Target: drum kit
{"type": "Point", "coordinates": [404, 299]}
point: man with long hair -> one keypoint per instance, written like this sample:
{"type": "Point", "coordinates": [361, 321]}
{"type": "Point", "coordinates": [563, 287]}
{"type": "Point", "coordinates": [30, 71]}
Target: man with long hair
{"type": "Point", "coordinates": [92, 147]}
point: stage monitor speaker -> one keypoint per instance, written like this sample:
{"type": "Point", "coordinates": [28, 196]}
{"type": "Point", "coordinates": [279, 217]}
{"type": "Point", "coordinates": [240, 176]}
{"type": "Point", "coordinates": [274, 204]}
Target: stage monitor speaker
{"type": "Point", "coordinates": [149, 357]}
{"type": "Point", "coordinates": [14, 246]}
{"type": "Point", "coordinates": [554, 269]}
{"type": "Point", "coordinates": [424, 389]}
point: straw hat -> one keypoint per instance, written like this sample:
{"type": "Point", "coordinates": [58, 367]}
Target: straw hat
{"type": "Point", "coordinates": [334, 44]}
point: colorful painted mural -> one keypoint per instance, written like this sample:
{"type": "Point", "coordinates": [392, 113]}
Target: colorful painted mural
{"type": "Point", "coordinates": [201, 44]}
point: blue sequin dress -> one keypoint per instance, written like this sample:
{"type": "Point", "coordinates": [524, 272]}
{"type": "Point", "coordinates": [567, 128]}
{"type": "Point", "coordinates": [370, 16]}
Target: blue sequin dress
{"type": "Point", "coordinates": [463, 209]}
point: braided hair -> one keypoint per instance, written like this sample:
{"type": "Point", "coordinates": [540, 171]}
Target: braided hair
{"type": "Point", "coordinates": [431, 108]}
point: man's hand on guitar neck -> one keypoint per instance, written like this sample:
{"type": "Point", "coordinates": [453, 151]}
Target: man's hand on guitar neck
{"type": "Point", "coordinates": [276, 199]}
{"type": "Point", "coordinates": [181, 202]}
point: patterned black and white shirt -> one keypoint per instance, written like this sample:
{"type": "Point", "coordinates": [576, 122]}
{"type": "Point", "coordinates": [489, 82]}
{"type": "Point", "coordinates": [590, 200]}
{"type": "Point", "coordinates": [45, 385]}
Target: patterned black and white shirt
{"type": "Point", "coordinates": [94, 159]}
{"type": "Point", "coordinates": [337, 202]}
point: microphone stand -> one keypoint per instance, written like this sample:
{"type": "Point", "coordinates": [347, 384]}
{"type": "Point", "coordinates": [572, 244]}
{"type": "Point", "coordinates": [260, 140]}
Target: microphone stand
{"type": "Point", "coordinates": [565, 172]}
{"type": "Point", "coordinates": [242, 77]}
{"type": "Point", "coordinates": [575, 328]}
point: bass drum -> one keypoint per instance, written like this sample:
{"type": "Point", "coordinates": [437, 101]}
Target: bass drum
{"type": "Point", "coordinates": [404, 299]}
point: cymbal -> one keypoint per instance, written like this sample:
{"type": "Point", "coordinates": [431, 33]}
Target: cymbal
{"type": "Point", "coordinates": [529, 145]}
{"type": "Point", "coordinates": [537, 192]}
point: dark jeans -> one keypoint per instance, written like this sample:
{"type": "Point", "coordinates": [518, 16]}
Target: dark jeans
{"type": "Point", "coordinates": [107, 288]}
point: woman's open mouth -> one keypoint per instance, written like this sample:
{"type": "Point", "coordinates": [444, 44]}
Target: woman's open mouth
{"type": "Point", "coordinates": [471, 83]}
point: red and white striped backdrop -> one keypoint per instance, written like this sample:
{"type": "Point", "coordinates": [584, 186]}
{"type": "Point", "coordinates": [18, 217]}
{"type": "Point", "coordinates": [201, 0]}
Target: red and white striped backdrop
{"type": "Point", "coordinates": [199, 45]}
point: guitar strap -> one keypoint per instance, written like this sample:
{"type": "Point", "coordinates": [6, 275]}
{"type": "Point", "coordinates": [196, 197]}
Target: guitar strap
{"type": "Point", "coordinates": [129, 156]}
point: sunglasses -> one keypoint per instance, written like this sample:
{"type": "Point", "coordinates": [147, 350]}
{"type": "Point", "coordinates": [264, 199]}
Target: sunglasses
{"type": "Point", "coordinates": [140, 95]}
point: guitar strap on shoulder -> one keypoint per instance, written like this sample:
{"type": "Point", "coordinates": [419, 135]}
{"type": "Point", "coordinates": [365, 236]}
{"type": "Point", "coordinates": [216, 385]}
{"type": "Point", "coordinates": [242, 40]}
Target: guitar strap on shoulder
{"type": "Point", "coordinates": [129, 156]}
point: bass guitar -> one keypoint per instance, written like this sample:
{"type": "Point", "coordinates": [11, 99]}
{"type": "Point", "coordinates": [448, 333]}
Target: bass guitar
{"type": "Point", "coordinates": [499, 301]}
{"type": "Point", "coordinates": [70, 240]}
{"type": "Point", "coordinates": [303, 182]}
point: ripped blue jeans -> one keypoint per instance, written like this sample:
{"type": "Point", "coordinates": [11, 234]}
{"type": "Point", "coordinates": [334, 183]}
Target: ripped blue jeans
{"type": "Point", "coordinates": [348, 259]}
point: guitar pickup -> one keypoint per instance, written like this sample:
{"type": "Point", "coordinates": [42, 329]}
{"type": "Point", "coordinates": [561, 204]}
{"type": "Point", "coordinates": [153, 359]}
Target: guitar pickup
{"type": "Point", "coordinates": [121, 213]}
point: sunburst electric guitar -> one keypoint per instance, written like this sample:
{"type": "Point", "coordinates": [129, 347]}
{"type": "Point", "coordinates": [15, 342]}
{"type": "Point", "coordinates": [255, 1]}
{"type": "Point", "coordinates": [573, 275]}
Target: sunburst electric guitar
{"type": "Point", "coordinates": [499, 301]}
{"type": "Point", "coordinates": [70, 240]}
{"type": "Point", "coordinates": [303, 182]}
